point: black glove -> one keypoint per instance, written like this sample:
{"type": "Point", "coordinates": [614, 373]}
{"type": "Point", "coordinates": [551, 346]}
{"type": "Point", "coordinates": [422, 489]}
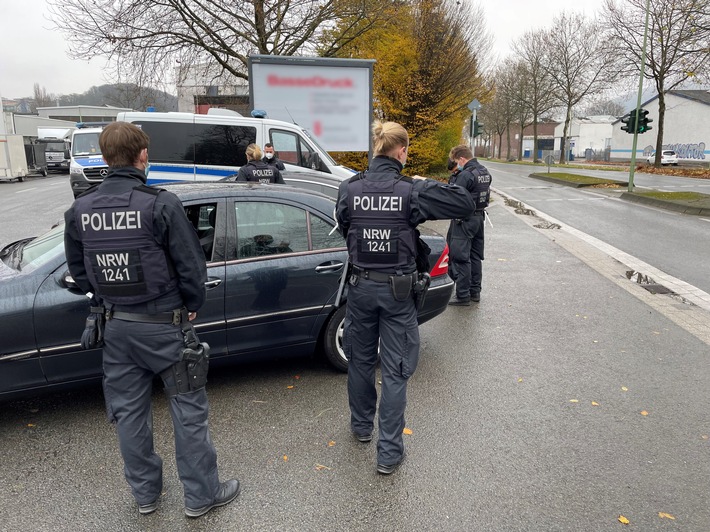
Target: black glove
{"type": "Point", "coordinates": [93, 335]}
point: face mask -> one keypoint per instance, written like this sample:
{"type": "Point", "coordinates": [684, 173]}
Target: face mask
{"type": "Point", "coordinates": [459, 167]}
{"type": "Point", "coordinates": [269, 155]}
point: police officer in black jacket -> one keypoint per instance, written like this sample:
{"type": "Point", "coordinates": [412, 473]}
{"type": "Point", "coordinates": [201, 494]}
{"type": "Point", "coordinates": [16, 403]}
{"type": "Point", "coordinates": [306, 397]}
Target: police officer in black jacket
{"type": "Point", "coordinates": [257, 170]}
{"type": "Point", "coordinates": [465, 234]}
{"type": "Point", "coordinates": [134, 248]}
{"type": "Point", "coordinates": [271, 158]}
{"type": "Point", "coordinates": [377, 212]}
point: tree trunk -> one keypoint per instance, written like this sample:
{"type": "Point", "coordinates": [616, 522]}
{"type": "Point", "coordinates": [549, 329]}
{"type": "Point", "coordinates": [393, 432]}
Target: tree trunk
{"type": "Point", "coordinates": [520, 144]}
{"type": "Point", "coordinates": [661, 118]}
{"type": "Point", "coordinates": [507, 155]}
{"type": "Point", "coordinates": [563, 143]}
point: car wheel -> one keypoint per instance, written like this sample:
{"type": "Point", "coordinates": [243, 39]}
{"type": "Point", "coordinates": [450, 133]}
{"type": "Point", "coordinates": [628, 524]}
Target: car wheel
{"type": "Point", "coordinates": [333, 340]}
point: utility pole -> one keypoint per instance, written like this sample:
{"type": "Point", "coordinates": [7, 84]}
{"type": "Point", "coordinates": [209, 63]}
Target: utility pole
{"type": "Point", "coordinates": [638, 104]}
{"type": "Point", "coordinates": [474, 107]}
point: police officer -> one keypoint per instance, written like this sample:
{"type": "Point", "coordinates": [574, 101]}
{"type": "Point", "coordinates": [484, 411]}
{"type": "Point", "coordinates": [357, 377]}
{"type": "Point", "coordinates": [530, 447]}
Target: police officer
{"type": "Point", "coordinates": [271, 158]}
{"type": "Point", "coordinates": [378, 212]}
{"type": "Point", "coordinates": [257, 170]}
{"type": "Point", "coordinates": [465, 234]}
{"type": "Point", "coordinates": [133, 247]}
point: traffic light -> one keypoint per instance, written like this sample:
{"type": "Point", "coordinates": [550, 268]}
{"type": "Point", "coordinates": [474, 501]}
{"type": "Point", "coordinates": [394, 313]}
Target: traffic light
{"type": "Point", "coordinates": [643, 121]}
{"type": "Point", "coordinates": [477, 128]}
{"type": "Point", "coordinates": [629, 122]}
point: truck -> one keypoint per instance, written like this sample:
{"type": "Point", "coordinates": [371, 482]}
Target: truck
{"type": "Point", "coordinates": [57, 147]}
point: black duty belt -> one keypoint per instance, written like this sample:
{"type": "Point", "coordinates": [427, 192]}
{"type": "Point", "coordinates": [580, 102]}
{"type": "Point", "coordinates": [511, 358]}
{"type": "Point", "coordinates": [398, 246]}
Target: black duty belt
{"type": "Point", "coordinates": [378, 277]}
{"type": "Point", "coordinates": [172, 317]}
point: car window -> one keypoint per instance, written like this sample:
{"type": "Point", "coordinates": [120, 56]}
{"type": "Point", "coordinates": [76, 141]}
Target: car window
{"type": "Point", "coordinates": [204, 220]}
{"type": "Point", "coordinates": [291, 148]}
{"type": "Point", "coordinates": [323, 236]}
{"type": "Point", "coordinates": [266, 228]}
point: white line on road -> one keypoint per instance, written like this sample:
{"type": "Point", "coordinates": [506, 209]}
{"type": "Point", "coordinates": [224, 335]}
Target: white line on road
{"type": "Point", "coordinates": [26, 190]}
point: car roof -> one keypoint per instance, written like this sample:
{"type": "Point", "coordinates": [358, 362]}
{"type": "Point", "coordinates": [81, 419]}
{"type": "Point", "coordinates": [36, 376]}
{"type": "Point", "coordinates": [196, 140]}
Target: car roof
{"type": "Point", "coordinates": [208, 189]}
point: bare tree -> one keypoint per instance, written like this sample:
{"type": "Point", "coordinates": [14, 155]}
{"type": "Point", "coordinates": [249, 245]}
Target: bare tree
{"type": "Point", "coordinates": [42, 97]}
{"type": "Point", "coordinates": [604, 106]}
{"type": "Point", "coordinates": [540, 97]}
{"type": "Point", "coordinates": [147, 39]}
{"type": "Point", "coordinates": [501, 113]}
{"type": "Point", "coordinates": [577, 62]}
{"type": "Point", "coordinates": [677, 47]}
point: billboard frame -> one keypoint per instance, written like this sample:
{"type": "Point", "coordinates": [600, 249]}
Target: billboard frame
{"type": "Point", "coordinates": [318, 62]}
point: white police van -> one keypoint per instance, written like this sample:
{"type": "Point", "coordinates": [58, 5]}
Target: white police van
{"type": "Point", "coordinates": [198, 147]}
{"type": "Point", "coordinates": [86, 165]}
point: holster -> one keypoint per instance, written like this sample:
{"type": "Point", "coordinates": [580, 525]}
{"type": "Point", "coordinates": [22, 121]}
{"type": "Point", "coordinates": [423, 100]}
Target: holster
{"type": "Point", "coordinates": [93, 335]}
{"type": "Point", "coordinates": [401, 286]}
{"type": "Point", "coordinates": [190, 373]}
{"type": "Point", "coordinates": [421, 287]}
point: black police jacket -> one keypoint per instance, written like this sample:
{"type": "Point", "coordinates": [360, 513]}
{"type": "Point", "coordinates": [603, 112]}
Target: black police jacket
{"type": "Point", "coordinates": [430, 199]}
{"type": "Point", "coordinates": [259, 172]}
{"type": "Point", "coordinates": [171, 229]}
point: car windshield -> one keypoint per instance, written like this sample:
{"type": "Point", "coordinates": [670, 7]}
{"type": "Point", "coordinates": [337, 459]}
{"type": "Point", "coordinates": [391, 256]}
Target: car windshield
{"type": "Point", "coordinates": [42, 249]}
{"type": "Point", "coordinates": [86, 144]}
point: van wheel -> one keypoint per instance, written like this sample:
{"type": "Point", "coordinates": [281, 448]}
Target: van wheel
{"type": "Point", "coordinates": [333, 340]}
{"type": "Point", "coordinates": [21, 179]}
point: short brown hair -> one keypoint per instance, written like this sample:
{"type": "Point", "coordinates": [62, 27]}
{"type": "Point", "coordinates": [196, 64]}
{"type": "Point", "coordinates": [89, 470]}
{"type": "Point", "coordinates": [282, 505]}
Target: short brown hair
{"type": "Point", "coordinates": [460, 151]}
{"type": "Point", "coordinates": [121, 143]}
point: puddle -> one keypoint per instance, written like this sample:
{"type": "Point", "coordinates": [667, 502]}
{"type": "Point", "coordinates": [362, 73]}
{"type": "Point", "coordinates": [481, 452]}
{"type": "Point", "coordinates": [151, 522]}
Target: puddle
{"type": "Point", "coordinates": [519, 208]}
{"type": "Point", "coordinates": [547, 225]}
{"type": "Point", "coordinates": [648, 283]}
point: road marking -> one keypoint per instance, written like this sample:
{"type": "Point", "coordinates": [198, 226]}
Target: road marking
{"type": "Point", "coordinates": [26, 190]}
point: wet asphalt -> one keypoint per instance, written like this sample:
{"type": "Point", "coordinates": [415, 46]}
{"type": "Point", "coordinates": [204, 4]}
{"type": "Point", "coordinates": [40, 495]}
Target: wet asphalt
{"type": "Point", "coordinates": [561, 402]}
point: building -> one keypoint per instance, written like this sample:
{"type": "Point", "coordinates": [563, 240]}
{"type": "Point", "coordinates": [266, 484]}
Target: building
{"type": "Point", "coordinates": [587, 137]}
{"type": "Point", "coordinates": [686, 123]}
{"type": "Point", "coordinates": [498, 147]}
{"type": "Point", "coordinates": [204, 86]}
{"type": "Point", "coordinates": [82, 113]}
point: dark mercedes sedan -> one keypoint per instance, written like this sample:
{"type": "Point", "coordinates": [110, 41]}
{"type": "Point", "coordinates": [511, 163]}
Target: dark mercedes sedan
{"type": "Point", "coordinates": [274, 263]}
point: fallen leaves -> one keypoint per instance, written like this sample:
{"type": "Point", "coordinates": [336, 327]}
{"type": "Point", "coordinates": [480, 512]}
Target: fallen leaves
{"type": "Point", "coordinates": [331, 443]}
{"type": "Point", "coordinates": [623, 520]}
{"type": "Point", "coordinates": [664, 515]}
{"type": "Point", "coordinates": [407, 431]}
{"type": "Point", "coordinates": [321, 467]}
{"type": "Point", "coordinates": [643, 413]}
{"type": "Point", "coordinates": [594, 403]}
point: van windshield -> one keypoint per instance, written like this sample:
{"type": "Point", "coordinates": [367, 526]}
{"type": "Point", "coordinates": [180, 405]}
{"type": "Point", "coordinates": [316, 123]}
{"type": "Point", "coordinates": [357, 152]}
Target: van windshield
{"type": "Point", "coordinates": [324, 154]}
{"type": "Point", "coordinates": [85, 144]}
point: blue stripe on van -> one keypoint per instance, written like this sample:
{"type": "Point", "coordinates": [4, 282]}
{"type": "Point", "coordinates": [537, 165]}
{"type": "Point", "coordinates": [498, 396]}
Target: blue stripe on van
{"type": "Point", "coordinates": [220, 172]}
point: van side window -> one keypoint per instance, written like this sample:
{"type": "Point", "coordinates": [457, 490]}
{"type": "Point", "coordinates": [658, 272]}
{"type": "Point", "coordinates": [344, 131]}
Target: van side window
{"type": "Point", "coordinates": [170, 142]}
{"type": "Point", "coordinates": [222, 145]}
{"type": "Point", "coordinates": [291, 148]}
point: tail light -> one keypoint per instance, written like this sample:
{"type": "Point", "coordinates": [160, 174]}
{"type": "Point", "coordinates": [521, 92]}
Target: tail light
{"type": "Point", "coordinates": [442, 265]}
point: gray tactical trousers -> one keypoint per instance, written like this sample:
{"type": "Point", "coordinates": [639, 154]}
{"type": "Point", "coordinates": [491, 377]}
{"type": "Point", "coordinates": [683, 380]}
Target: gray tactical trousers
{"type": "Point", "coordinates": [133, 354]}
{"type": "Point", "coordinates": [373, 314]}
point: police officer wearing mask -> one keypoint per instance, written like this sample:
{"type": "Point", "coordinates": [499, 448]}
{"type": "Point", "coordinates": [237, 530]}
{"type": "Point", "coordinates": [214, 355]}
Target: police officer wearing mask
{"type": "Point", "coordinates": [257, 170]}
{"type": "Point", "coordinates": [377, 212]}
{"type": "Point", "coordinates": [465, 234]}
{"type": "Point", "coordinates": [134, 248]}
{"type": "Point", "coordinates": [271, 158]}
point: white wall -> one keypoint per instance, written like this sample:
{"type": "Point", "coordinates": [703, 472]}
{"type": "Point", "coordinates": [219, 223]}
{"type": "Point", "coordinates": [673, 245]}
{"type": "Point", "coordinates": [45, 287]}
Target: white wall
{"type": "Point", "coordinates": [686, 130]}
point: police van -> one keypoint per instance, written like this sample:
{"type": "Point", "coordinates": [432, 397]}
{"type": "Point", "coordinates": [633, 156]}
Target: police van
{"type": "Point", "coordinates": [199, 147]}
{"type": "Point", "coordinates": [86, 164]}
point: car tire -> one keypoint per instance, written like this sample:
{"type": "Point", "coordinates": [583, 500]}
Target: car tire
{"type": "Point", "coordinates": [333, 340]}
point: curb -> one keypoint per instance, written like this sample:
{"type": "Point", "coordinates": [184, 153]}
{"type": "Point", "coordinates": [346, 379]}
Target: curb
{"type": "Point", "coordinates": [543, 177]}
{"type": "Point", "coordinates": [668, 205]}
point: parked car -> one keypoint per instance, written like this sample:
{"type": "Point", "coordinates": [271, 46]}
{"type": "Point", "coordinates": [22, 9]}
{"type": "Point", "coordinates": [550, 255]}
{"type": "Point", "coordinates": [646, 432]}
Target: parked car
{"type": "Point", "coordinates": [667, 157]}
{"type": "Point", "coordinates": [274, 264]}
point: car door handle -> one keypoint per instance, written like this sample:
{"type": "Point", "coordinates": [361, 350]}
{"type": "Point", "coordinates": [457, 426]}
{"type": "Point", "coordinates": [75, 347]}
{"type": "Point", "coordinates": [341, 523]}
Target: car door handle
{"type": "Point", "coordinates": [331, 266]}
{"type": "Point", "coordinates": [213, 283]}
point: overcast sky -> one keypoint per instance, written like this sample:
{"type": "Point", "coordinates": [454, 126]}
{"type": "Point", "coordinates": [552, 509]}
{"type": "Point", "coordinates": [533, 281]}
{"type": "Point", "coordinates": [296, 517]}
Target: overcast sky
{"type": "Point", "coordinates": [32, 52]}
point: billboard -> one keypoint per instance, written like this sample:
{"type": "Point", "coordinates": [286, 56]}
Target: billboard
{"type": "Point", "coordinates": [331, 98]}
